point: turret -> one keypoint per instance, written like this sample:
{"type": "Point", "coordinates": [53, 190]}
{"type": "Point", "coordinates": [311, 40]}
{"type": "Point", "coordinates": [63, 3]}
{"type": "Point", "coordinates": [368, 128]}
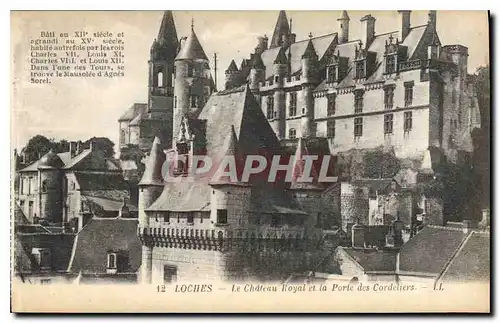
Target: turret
{"type": "Point", "coordinates": [192, 81]}
{"type": "Point", "coordinates": [230, 198]}
{"type": "Point", "coordinates": [343, 22]}
{"type": "Point", "coordinates": [309, 61]}
{"type": "Point", "coordinates": [152, 183]}
{"type": "Point", "coordinates": [49, 188]}
{"type": "Point", "coordinates": [280, 67]}
{"type": "Point", "coordinates": [232, 75]}
{"type": "Point", "coordinates": [257, 73]}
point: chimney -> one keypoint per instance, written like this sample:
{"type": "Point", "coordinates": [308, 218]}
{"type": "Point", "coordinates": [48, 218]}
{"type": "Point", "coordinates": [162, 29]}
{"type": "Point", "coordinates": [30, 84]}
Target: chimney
{"type": "Point", "coordinates": [261, 44]}
{"type": "Point", "coordinates": [468, 226]}
{"type": "Point", "coordinates": [405, 23]}
{"type": "Point", "coordinates": [485, 220]}
{"type": "Point", "coordinates": [91, 145]}
{"type": "Point", "coordinates": [78, 148]}
{"type": "Point", "coordinates": [368, 30]}
{"type": "Point", "coordinates": [358, 235]}
{"type": "Point", "coordinates": [432, 19]}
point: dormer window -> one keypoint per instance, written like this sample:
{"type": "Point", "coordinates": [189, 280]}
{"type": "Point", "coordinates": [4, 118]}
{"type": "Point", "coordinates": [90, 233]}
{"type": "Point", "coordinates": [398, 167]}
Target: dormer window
{"type": "Point", "coordinates": [390, 64]}
{"type": "Point", "coordinates": [360, 69]}
{"type": "Point", "coordinates": [331, 74]}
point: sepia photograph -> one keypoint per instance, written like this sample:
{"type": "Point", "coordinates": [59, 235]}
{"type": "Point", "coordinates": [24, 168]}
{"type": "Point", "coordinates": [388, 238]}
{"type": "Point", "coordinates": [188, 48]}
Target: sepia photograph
{"type": "Point", "coordinates": [249, 156]}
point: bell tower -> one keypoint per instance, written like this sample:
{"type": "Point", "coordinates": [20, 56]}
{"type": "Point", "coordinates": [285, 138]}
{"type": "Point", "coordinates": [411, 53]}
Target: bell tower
{"type": "Point", "coordinates": [161, 65]}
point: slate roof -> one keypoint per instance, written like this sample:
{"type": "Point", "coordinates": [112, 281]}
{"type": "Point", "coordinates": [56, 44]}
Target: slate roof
{"type": "Point", "coordinates": [321, 45]}
{"type": "Point", "coordinates": [100, 236]}
{"type": "Point", "coordinates": [299, 168]}
{"type": "Point", "coordinates": [430, 250]}
{"type": "Point", "coordinates": [472, 262]}
{"type": "Point", "coordinates": [154, 164]}
{"type": "Point", "coordinates": [273, 201]}
{"type": "Point", "coordinates": [191, 48]}
{"type": "Point", "coordinates": [413, 42]}
{"type": "Point", "coordinates": [133, 111]}
{"type": "Point", "coordinates": [183, 197]}
{"type": "Point", "coordinates": [107, 204]}
{"type": "Point", "coordinates": [95, 181]}
{"type": "Point", "coordinates": [372, 259]}
{"type": "Point", "coordinates": [238, 108]}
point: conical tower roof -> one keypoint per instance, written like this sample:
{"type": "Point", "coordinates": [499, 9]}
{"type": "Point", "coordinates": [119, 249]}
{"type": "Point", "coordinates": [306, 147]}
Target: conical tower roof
{"type": "Point", "coordinates": [167, 35]}
{"type": "Point", "coordinates": [344, 16]}
{"type": "Point", "coordinates": [154, 164]}
{"type": "Point", "coordinates": [299, 165]}
{"type": "Point", "coordinates": [310, 52]}
{"type": "Point", "coordinates": [231, 149]}
{"type": "Point", "coordinates": [281, 57]}
{"type": "Point", "coordinates": [192, 49]}
{"type": "Point", "coordinates": [282, 28]}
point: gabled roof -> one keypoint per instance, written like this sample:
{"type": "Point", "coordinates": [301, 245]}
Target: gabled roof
{"type": "Point", "coordinates": [310, 51]}
{"type": "Point", "coordinates": [472, 261]}
{"type": "Point", "coordinates": [191, 48]}
{"type": "Point", "coordinates": [232, 67]}
{"type": "Point", "coordinates": [282, 28]}
{"type": "Point", "coordinates": [100, 236]}
{"type": "Point", "coordinates": [133, 111]}
{"type": "Point", "coordinates": [100, 181]}
{"type": "Point", "coordinates": [238, 108]}
{"type": "Point", "coordinates": [371, 259]}
{"type": "Point", "coordinates": [430, 250]}
{"type": "Point", "coordinates": [65, 159]}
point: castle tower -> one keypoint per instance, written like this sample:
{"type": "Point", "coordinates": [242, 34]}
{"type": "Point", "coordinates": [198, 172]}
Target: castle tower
{"type": "Point", "coordinates": [280, 67]}
{"type": "Point", "coordinates": [281, 34]}
{"type": "Point", "coordinates": [305, 180]}
{"type": "Point", "coordinates": [309, 64]}
{"type": "Point", "coordinates": [49, 188]}
{"type": "Point", "coordinates": [257, 73]}
{"type": "Point", "coordinates": [232, 75]}
{"type": "Point", "coordinates": [161, 64]}
{"type": "Point", "coordinates": [230, 199]}
{"type": "Point", "coordinates": [150, 188]}
{"type": "Point", "coordinates": [193, 83]}
{"type": "Point", "coordinates": [343, 22]}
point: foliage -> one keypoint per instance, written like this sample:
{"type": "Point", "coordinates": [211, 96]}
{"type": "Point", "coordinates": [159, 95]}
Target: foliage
{"type": "Point", "coordinates": [103, 144]}
{"type": "Point", "coordinates": [132, 152]}
{"type": "Point", "coordinates": [380, 164]}
{"type": "Point", "coordinates": [36, 147]}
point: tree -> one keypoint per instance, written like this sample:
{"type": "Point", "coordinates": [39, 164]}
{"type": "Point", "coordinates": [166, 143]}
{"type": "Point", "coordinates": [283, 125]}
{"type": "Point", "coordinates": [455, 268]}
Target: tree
{"type": "Point", "coordinates": [36, 148]}
{"type": "Point", "coordinates": [380, 164]}
{"type": "Point", "coordinates": [103, 144]}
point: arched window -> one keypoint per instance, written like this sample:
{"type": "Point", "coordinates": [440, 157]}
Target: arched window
{"type": "Point", "coordinates": [292, 133]}
{"type": "Point", "coordinates": [160, 79]}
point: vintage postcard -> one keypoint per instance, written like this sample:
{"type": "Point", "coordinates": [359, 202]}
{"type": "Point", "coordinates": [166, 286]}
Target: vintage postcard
{"type": "Point", "coordinates": [250, 161]}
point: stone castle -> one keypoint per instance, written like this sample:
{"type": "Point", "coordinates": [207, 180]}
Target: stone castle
{"type": "Point", "coordinates": [325, 95]}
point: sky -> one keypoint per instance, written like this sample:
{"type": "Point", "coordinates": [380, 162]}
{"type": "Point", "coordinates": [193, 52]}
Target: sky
{"type": "Point", "coordinates": [77, 109]}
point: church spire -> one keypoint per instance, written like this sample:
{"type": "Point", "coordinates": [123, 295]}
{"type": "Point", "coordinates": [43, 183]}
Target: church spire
{"type": "Point", "coordinates": [167, 35]}
{"type": "Point", "coordinates": [281, 31]}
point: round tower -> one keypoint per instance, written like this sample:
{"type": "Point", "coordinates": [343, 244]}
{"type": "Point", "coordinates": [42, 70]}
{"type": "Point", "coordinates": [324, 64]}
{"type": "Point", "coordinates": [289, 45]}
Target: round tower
{"type": "Point", "coordinates": [49, 188]}
{"type": "Point", "coordinates": [309, 62]}
{"type": "Point", "coordinates": [257, 73]}
{"type": "Point", "coordinates": [191, 82]}
{"type": "Point", "coordinates": [280, 67]}
{"type": "Point", "coordinates": [232, 75]}
{"type": "Point", "coordinates": [152, 183]}
{"type": "Point", "coordinates": [343, 22]}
